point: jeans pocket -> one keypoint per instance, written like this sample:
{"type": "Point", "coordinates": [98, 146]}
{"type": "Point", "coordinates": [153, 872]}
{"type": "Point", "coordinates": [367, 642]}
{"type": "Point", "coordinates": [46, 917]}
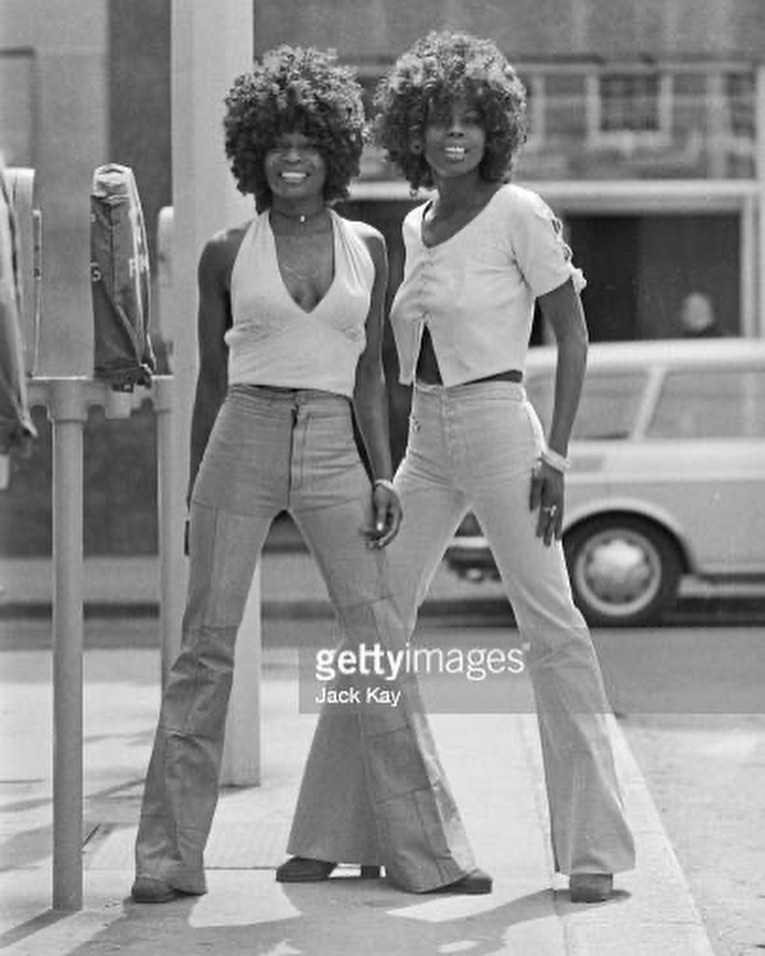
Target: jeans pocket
{"type": "Point", "coordinates": [537, 432]}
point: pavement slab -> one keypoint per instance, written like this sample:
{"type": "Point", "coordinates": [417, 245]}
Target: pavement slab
{"type": "Point", "coordinates": [494, 765]}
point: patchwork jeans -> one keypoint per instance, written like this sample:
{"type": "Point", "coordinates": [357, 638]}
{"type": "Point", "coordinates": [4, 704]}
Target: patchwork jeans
{"type": "Point", "coordinates": [373, 789]}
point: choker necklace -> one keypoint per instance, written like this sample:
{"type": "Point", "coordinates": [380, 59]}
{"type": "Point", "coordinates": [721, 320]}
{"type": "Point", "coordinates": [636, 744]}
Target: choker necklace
{"type": "Point", "coordinates": [302, 217]}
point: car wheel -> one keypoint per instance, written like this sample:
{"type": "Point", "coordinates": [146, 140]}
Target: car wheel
{"type": "Point", "coordinates": [624, 571]}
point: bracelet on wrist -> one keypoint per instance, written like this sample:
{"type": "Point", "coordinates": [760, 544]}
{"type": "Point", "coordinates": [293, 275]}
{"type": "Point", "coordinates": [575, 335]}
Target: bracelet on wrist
{"type": "Point", "coordinates": [554, 460]}
{"type": "Point", "coordinates": [383, 483]}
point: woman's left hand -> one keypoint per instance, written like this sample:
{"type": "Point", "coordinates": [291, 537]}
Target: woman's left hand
{"type": "Point", "coordinates": [386, 516]}
{"type": "Point", "coordinates": [547, 495]}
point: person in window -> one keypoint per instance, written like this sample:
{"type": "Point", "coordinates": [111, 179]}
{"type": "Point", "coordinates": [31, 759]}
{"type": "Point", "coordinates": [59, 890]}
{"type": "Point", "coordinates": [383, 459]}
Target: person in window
{"type": "Point", "coordinates": [290, 331]}
{"type": "Point", "coordinates": [697, 317]}
{"type": "Point", "coordinates": [479, 254]}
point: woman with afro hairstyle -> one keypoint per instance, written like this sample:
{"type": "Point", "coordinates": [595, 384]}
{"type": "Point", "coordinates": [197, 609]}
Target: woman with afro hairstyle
{"type": "Point", "coordinates": [479, 254]}
{"type": "Point", "coordinates": [290, 330]}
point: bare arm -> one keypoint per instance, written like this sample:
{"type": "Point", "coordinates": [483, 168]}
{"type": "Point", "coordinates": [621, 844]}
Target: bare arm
{"type": "Point", "coordinates": [563, 310]}
{"type": "Point", "coordinates": [370, 401]}
{"type": "Point", "coordinates": [213, 319]}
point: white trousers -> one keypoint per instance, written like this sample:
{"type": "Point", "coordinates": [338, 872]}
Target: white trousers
{"type": "Point", "coordinates": [472, 447]}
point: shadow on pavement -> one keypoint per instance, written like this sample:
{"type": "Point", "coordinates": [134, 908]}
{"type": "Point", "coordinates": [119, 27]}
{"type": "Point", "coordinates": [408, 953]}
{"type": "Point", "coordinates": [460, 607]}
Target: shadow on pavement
{"type": "Point", "coordinates": [326, 920]}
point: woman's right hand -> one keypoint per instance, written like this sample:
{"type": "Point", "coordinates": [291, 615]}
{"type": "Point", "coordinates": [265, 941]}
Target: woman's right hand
{"type": "Point", "coordinates": [547, 494]}
{"type": "Point", "coordinates": [386, 515]}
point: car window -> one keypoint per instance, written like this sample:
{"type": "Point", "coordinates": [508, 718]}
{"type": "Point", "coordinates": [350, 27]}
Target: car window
{"type": "Point", "coordinates": [728, 403]}
{"type": "Point", "coordinates": [607, 410]}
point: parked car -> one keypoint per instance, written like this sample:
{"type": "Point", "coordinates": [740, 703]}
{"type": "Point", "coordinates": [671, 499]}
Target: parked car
{"type": "Point", "coordinates": [667, 476]}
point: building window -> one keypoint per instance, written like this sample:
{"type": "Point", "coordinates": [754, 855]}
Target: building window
{"type": "Point", "coordinates": [629, 102]}
{"type": "Point", "coordinates": [565, 106]}
{"type": "Point", "coordinates": [630, 110]}
{"type": "Point", "coordinates": [739, 96]}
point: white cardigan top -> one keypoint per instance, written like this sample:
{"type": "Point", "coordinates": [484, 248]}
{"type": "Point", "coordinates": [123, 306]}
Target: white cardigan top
{"type": "Point", "coordinates": [475, 291]}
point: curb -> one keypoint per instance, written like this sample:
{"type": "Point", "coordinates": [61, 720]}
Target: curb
{"type": "Point", "coordinates": [703, 612]}
{"type": "Point", "coordinates": [270, 610]}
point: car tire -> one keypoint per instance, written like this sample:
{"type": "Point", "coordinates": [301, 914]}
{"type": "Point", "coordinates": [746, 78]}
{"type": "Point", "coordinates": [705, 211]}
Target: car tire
{"type": "Point", "coordinates": [625, 571]}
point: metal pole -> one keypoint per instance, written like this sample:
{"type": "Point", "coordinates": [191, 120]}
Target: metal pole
{"type": "Point", "coordinates": [760, 173]}
{"type": "Point", "coordinates": [170, 524]}
{"type": "Point", "coordinates": [748, 268]}
{"type": "Point", "coordinates": [67, 412]}
{"type": "Point", "coordinates": [212, 41]}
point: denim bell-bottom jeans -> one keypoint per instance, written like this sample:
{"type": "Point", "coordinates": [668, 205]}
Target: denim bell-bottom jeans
{"type": "Point", "coordinates": [373, 790]}
{"type": "Point", "coordinates": [473, 447]}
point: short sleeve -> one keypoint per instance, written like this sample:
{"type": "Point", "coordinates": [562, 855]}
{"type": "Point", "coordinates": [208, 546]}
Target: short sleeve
{"type": "Point", "coordinates": [538, 246]}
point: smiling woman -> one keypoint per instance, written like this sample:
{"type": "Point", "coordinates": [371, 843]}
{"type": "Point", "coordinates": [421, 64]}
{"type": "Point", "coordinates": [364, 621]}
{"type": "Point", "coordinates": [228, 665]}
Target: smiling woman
{"type": "Point", "coordinates": [489, 85]}
{"type": "Point", "coordinates": [290, 337]}
{"type": "Point", "coordinates": [479, 256]}
{"type": "Point", "coordinates": [296, 174]}
{"type": "Point", "coordinates": [294, 89]}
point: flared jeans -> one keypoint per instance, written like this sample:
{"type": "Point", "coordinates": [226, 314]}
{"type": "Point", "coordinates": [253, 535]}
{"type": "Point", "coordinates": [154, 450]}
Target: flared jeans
{"type": "Point", "coordinates": [473, 447]}
{"type": "Point", "coordinates": [373, 790]}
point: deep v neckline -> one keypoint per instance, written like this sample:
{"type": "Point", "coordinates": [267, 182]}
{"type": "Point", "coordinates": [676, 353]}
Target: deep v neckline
{"type": "Point", "coordinates": [283, 284]}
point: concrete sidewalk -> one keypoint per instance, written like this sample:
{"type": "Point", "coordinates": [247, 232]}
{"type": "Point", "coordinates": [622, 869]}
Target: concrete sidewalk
{"type": "Point", "coordinates": [494, 765]}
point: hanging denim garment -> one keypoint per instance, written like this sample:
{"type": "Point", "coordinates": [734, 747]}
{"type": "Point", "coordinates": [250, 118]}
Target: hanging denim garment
{"type": "Point", "coordinates": [20, 189]}
{"type": "Point", "coordinates": [16, 428]}
{"type": "Point", "coordinates": [119, 280]}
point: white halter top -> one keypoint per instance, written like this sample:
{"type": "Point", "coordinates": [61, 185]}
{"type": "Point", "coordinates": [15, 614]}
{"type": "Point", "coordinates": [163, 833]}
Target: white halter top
{"type": "Point", "coordinates": [273, 340]}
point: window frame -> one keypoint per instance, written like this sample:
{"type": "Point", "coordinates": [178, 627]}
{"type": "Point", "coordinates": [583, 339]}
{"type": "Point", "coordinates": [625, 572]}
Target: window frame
{"type": "Point", "coordinates": [634, 400]}
{"type": "Point", "coordinates": [628, 139]}
{"type": "Point", "coordinates": [735, 374]}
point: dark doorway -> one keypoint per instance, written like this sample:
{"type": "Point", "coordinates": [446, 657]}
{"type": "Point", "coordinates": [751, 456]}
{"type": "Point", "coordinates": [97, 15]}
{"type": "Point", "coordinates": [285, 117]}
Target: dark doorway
{"type": "Point", "coordinates": [643, 270]}
{"type": "Point", "coordinates": [606, 250]}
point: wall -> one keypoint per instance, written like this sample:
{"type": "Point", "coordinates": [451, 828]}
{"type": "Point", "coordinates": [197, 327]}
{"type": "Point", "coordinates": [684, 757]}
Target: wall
{"type": "Point", "coordinates": [71, 123]}
{"type": "Point", "coordinates": [523, 28]}
{"type": "Point", "coordinates": [139, 100]}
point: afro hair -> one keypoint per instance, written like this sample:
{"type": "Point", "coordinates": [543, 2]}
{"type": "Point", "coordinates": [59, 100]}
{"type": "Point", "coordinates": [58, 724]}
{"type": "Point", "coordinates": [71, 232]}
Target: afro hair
{"type": "Point", "coordinates": [438, 70]}
{"type": "Point", "coordinates": [294, 89]}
